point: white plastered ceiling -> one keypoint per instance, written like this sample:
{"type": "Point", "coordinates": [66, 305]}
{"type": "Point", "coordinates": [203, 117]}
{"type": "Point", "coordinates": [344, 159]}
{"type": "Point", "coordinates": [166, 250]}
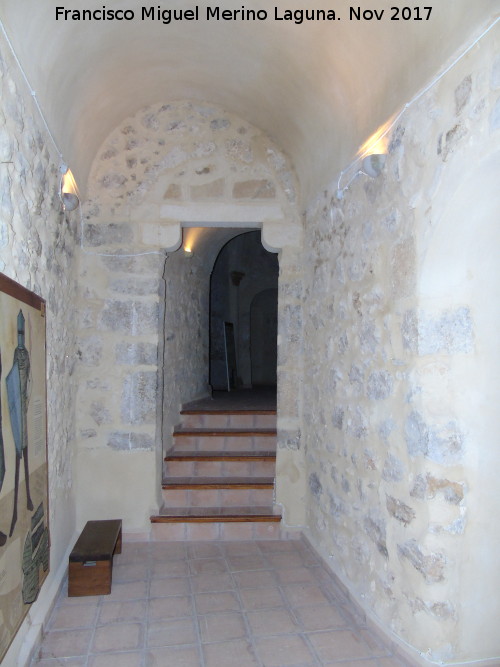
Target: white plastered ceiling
{"type": "Point", "coordinates": [318, 89]}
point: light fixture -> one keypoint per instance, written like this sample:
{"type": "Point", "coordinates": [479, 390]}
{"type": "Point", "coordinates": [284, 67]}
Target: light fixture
{"type": "Point", "coordinates": [68, 190]}
{"type": "Point", "coordinates": [188, 251]}
{"type": "Point", "coordinates": [373, 164]}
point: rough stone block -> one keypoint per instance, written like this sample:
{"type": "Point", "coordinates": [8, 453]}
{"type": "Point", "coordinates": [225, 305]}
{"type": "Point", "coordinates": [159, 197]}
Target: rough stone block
{"type": "Point", "coordinates": [380, 385]}
{"type": "Point", "coordinates": [376, 531]}
{"type": "Point", "coordinates": [409, 331]}
{"type": "Point", "coordinates": [449, 333]}
{"type": "Point", "coordinates": [139, 398]}
{"type": "Point", "coordinates": [90, 351]}
{"type": "Point", "coordinates": [254, 189]}
{"type": "Point", "coordinates": [173, 191]}
{"type": "Point", "coordinates": [129, 317]}
{"type": "Point", "coordinates": [416, 434]}
{"type": "Point", "coordinates": [431, 566]}
{"type": "Point", "coordinates": [124, 441]}
{"type": "Point", "coordinates": [135, 354]}
{"type": "Point", "coordinates": [399, 510]}
{"type": "Point", "coordinates": [100, 414]}
{"type": "Point", "coordinates": [393, 470]}
{"type": "Point", "coordinates": [338, 417]}
{"type": "Point", "coordinates": [315, 485]}
{"type": "Point", "coordinates": [446, 444]}
{"type": "Point", "coordinates": [212, 190]}
{"type": "Point", "coordinates": [107, 234]}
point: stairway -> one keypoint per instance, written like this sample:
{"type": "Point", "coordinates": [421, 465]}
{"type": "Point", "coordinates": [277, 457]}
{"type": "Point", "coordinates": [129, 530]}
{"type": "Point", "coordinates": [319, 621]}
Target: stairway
{"type": "Point", "coordinates": [219, 476]}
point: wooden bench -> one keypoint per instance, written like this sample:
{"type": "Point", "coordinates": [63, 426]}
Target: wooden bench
{"type": "Point", "coordinates": [91, 561]}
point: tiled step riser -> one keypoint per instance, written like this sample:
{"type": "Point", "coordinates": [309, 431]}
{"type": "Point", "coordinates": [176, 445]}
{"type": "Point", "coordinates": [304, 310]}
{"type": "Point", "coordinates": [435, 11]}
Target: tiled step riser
{"type": "Point", "coordinates": [217, 497]}
{"type": "Point", "coordinates": [219, 469]}
{"type": "Point", "coordinates": [225, 444]}
{"type": "Point", "coordinates": [207, 420]}
{"type": "Point", "coordinates": [220, 531]}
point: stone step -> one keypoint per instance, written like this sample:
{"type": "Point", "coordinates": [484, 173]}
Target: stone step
{"type": "Point", "coordinates": [228, 419]}
{"type": "Point", "coordinates": [219, 464]}
{"type": "Point", "coordinates": [219, 483]}
{"type": "Point", "coordinates": [229, 531]}
{"type": "Point", "coordinates": [217, 523]}
{"type": "Point", "coordinates": [216, 497]}
{"type": "Point", "coordinates": [224, 441]}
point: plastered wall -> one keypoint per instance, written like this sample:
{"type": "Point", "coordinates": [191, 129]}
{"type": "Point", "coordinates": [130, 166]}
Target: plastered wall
{"type": "Point", "coordinates": [37, 250]}
{"type": "Point", "coordinates": [398, 435]}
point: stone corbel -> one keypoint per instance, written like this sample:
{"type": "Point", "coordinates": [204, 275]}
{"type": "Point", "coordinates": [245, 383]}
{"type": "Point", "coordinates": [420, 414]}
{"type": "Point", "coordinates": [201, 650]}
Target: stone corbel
{"type": "Point", "coordinates": [276, 234]}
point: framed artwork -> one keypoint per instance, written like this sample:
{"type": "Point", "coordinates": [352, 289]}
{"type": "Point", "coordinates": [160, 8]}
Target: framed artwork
{"type": "Point", "coordinates": [24, 533]}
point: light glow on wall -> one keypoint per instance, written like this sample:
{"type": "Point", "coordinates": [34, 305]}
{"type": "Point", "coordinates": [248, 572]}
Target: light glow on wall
{"type": "Point", "coordinates": [378, 142]}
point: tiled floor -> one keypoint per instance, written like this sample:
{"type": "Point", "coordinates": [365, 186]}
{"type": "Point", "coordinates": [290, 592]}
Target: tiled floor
{"type": "Point", "coordinates": [233, 604]}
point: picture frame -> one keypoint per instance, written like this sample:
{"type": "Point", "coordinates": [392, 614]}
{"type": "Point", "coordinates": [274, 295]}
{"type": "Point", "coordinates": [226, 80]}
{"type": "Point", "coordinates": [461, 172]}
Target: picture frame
{"type": "Point", "coordinates": [24, 530]}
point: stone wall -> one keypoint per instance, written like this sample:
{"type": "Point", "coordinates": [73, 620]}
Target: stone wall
{"type": "Point", "coordinates": [398, 329]}
{"type": "Point", "coordinates": [169, 164]}
{"type": "Point", "coordinates": [37, 250]}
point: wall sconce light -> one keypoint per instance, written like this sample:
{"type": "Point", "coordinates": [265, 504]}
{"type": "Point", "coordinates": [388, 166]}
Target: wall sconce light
{"type": "Point", "coordinates": [188, 252]}
{"type": "Point", "coordinates": [373, 164]}
{"type": "Point", "coordinates": [68, 191]}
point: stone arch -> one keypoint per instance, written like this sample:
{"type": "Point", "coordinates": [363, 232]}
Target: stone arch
{"type": "Point", "coordinates": [180, 163]}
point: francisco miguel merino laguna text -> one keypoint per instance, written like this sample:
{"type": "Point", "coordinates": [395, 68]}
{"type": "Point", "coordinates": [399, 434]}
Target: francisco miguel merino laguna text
{"type": "Point", "coordinates": [215, 13]}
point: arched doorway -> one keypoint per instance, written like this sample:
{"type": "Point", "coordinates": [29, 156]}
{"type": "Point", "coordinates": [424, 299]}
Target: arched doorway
{"type": "Point", "coordinates": [238, 344]}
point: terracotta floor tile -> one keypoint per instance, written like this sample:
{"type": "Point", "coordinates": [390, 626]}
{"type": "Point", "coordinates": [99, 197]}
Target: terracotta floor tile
{"type": "Point", "coordinates": [135, 590]}
{"type": "Point", "coordinates": [67, 617]}
{"type": "Point", "coordinates": [168, 569]}
{"type": "Point", "coordinates": [269, 622]}
{"type": "Point", "coordinates": [261, 598]}
{"type": "Point", "coordinates": [284, 651]}
{"type": "Point", "coordinates": [183, 656]}
{"type": "Point", "coordinates": [297, 575]}
{"type": "Point", "coordinates": [119, 637]}
{"type": "Point", "coordinates": [255, 579]}
{"type": "Point", "coordinates": [66, 643]}
{"type": "Point", "coordinates": [172, 633]}
{"type": "Point", "coordinates": [248, 562]}
{"type": "Point", "coordinates": [170, 607]}
{"type": "Point", "coordinates": [323, 617]}
{"type": "Point", "coordinates": [208, 566]}
{"type": "Point", "coordinates": [240, 548]}
{"type": "Point", "coordinates": [204, 550]}
{"type": "Point", "coordinates": [230, 654]}
{"type": "Point", "coordinates": [122, 612]}
{"type": "Point", "coordinates": [206, 583]}
{"type": "Point", "coordinates": [301, 595]}
{"type": "Point", "coordinates": [210, 602]}
{"type": "Point", "coordinates": [334, 645]}
{"type": "Point", "coordinates": [116, 659]}
{"type": "Point", "coordinates": [173, 586]}
{"type": "Point", "coordinates": [220, 626]}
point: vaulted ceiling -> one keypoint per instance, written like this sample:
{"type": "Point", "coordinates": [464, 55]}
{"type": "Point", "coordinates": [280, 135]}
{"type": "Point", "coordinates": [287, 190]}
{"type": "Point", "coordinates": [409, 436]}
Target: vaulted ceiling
{"type": "Point", "coordinates": [318, 88]}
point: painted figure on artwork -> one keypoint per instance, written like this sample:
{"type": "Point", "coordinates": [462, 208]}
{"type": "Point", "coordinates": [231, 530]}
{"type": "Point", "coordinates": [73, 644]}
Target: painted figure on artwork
{"type": "Point", "coordinates": [3, 536]}
{"type": "Point", "coordinates": [18, 382]}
